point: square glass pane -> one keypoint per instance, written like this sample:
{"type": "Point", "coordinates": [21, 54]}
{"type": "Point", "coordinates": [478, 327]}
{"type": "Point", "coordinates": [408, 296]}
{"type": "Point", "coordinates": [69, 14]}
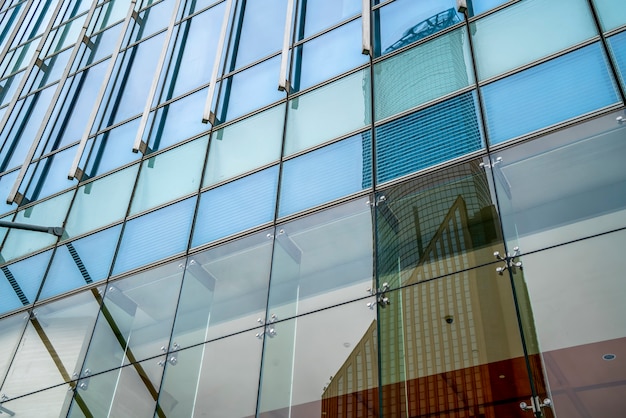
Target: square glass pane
{"type": "Point", "coordinates": [424, 73]}
{"type": "Point", "coordinates": [436, 225]}
{"type": "Point", "coordinates": [317, 15]}
{"type": "Point", "coordinates": [328, 55]}
{"type": "Point", "coordinates": [328, 112]}
{"type": "Point", "coordinates": [51, 212]}
{"type": "Point", "coordinates": [428, 137]}
{"type": "Point", "coordinates": [154, 236]}
{"type": "Point", "coordinates": [236, 206]}
{"type": "Point", "coordinates": [245, 145]}
{"type": "Point", "coordinates": [543, 95]}
{"type": "Point", "coordinates": [294, 382]}
{"type": "Point", "coordinates": [218, 379]}
{"type": "Point", "coordinates": [546, 193]}
{"type": "Point", "coordinates": [611, 13]}
{"type": "Point", "coordinates": [502, 41]}
{"type": "Point", "coordinates": [403, 22]}
{"type": "Point", "coordinates": [169, 175]}
{"type": "Point", "coordinates": [93, 207]}
{"type": "Point", "coordinates": [331, 172]}
{"type": "Point", "coordinates": [321, 260]}
{"type": "Point", "coordinates": [224, 290]}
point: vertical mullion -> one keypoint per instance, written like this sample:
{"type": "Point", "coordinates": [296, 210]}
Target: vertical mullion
{"type": "Point", "coordinates": [283, 82]}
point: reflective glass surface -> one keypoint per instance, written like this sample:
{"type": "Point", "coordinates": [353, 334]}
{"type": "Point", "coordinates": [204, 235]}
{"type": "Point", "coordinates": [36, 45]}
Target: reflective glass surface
{"type": "Point", "coordinates": [617, 44]}
{"type": "Point", "coordinates": [11, 329]}
{"type": "Point", "coordinates": [315, 16]}
{"type": "Point", "coordinates": [50, 175]}
{"type": "Point", "coordinates": [611, 13]}
{"type": "Point", "coordinates": [24, 279]}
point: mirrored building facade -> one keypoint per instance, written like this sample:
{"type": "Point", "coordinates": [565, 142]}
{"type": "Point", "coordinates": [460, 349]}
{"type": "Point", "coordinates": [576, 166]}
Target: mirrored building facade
{"type": "Point", "coordinates": [313, 208]}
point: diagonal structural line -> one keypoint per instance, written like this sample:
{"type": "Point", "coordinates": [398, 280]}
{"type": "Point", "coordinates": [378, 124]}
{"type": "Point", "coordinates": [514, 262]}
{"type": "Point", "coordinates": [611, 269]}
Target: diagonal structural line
{"type": "Point", "coordinates": [15, 285]}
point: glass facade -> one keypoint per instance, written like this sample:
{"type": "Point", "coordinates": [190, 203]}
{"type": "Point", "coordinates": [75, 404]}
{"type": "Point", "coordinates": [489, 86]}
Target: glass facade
{"type": "Point", "coordinates": [396, 209]}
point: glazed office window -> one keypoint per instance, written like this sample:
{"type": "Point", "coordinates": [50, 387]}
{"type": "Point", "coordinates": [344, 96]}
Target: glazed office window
{"type": "Point", "coordinates": [403, 22]}
{"type": "Point", "coordinates": [133, 81]}
{"type": "Point", "coordinates": [428, 137]}
{"type": "Point", "coordinates": [17, 59]}
{"type": "Point", "coordinates": [9, 87]}
{"type": "Point", "coordinates": [611, 13]}
{"type": "Point", "coordinates": [327, 56]}
{"type": "Point", "coordinates": [152, 19]}
{"type": "Point", "coordinates": [315, 16]}
{"type": "Point", "coordinates": [424, 73]}
{"type": "Point", "coordinates": [154, 236]}
{"type": "Point", "coordinates": [78, 263]}
{"type": "Point", "coordinates": [504, 40]}
{"type": "Point", "coordinates": [249, 90]}
{"type": "Point", "coordinates": [342, 106]}
{"type": "Point", "coordinates": [49, 175]}
{"type": "Point", "coordinates": [546, 194]}
{"type": "Point", "coordinates": [193, 53]}
{"type": "Point", "coordinates": [236, 206]}
{"type": "Point", "coordinates": [326, 174]}
{"type": "Point", "coordinates": [224, 290]}
{"type": "Point", "coordinates": [108, 13]}
{"type": "Point", "coordinates": [480, 6]}
{"type": "Point", "coordinates": [35, 26]}
{"type": "Point", "coordinates": [543, 95]}
{"type": "Point", "coordinates": [617, 45]}
{"type": "Point", "coordinates": [11, 17]}
{"type": "Point", "coordinates": [111, 149]}
{"type": "Point", "coordinates": [52, 343]}
{"type": "Point", "coordinates": [48, 213]}
{"type": "Point", "coordinates": [245, 145]}
{"type": "Point", "coordinates": [218, 369]}
{"type": "Point", "coordinates": [64, 35]}
{"type": "Point", "coordinates": [258, 31]}
{"type": "Point", "coordinates": [176, 121]}
{"type": "Point", "coordinates": [101, 45]}
{"type": "Point", "coordinates": [321, 260]}
{"type": "Point", "coordinates": [6, 183]}
{"type": "Point", "coordinates": [294, 384]}
{"type": "Point", "coordinates": [94, 198]}
{"type": "Point", "coordinates": [24, 279]}
{"type": "Point", "coordinates": [169, 175]}
{"type": "Point", "coordinates": [436, 224]}
{"type": "Point", "coordinates": [11, 329]}
{"type": "Point", "coordinates": [48, 400]}
{"type": "Point", "coordinates": [54, 67]}
{"type": "Point", "coordinates": [419, 348]}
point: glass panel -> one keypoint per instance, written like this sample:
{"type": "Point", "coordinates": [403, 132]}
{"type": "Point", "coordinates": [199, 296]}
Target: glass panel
{"type": "Point", "coordinates": [224, 290]}
{"type": "Point", "coordinates": [328, 55]}
{"type": "Point", "coordinates": [326, 174]}
{"type": "Point", "coordinates": [102, 45]}
{"type": "Point", "coordinates": [176, 122]}
{"type": "Point", "coordinates": [6, 183]}
{"type": "Point", "coordinates": [9, 87]}
{"type": "Point", "coordinates": [48, 213]}
{"type": "Point", "coordinates": [617, 44]}
{"type": "Point", "coordinates": [64, 36]}
{"type": "Point", "coordinates": [218, 379]}
{"type": "Point", "coordinates": [611, 13]}
{"type": "Point", "coordinates": [322, 260]}
{"type": "Point", "coordinates": [112, 149]}
{"type": "Point", "coordinates": [260, 33]}
{"type": "Point", "coordinates": [546, 193]}
{"type": "Point", "coordinates": [194, 53]}
{"type": "Point", "coordinates": [24, 279]}
{"type": "Point", "coordinates": [236, 206]}
{"type": "Point", "coordinates": [50, 175]}
{"type": "Point", "coordinates": [451, 346]}
{"type": "Point", "coordinates": [543, 95]}
{"type": "Point", "coordinates": [406, 21]}
{"type": "Point", "coordinates": [430, 136]}
{"type": "Point", "coordinates": [153, 19]}
{"type": "Point", "coordinates": [318, 15]}
{"type": "Point", "coordinates": [422, 74]}
{"type": "Point", "coordinates": [435, 225]}
{"type": "Point", "coordinates": [78, 263]}
{"type": "Point", "coordinates": [52, 401]}
{"type": "Point", "coordinates": [328, 112]}
{"type": "Point", "coordinates": [94, 199]}
{"type": "Point", "coordinates": [576, 292]}
{"type": "Point", "coordinates": [154, 236]}
{"type": "Point", "coordinates": [503, 41]}
{"type": "Point", "coordinates": [136, 319]}
{"type": "Point", "coordinates": [296, 383]}
{"type": "Point", "coordinates": [130, 391]}
{"type": "Point", "coordinates": [480, 6]}
{"type": "Point", "coordinates": [169, 175]}
{"type": "Point", "coordinates": [245, 145]}
{"type": "Point", "coordinates": [11, 330]}
{"type": "Point", "coordinates": [249, 90]}
{"type": "Point", "coordinates": [53, 344]}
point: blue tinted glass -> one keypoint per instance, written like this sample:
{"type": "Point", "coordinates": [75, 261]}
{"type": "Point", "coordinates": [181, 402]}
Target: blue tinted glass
{"type": "Point", "coordinates": [250, 89]}
{"type": "Point", "coordinates": [617, 44]}
{"type": "Point", "coordinates": [479, 6]}
{"type": "Point", "coordinates": [154, 236]}
{"type": "Point", "coordinates": [406, 21]}
{"type": "Point", "coordinates": [9, 300]}
{"type": "Point", "coordinates": [80, 262]}
{"type": "Point", "coordinates": [549, 93]}
{"type": "Point", "coordinates": [438, 133]}
{"type": "Point", "coordinates": [612, 13]}
{"type": "Point", "coordinates": [326, 174]}
{"type": "Point", "coordinates": [51, 175]}
{"type": "Point", "coordinates": [328, 55]}
{"type": "Point", "coordinates": [317, 15]}
{"type": "Point", "coordinates": [113, 149]}
{"type": "Point", "coordinates": [6, 183]}
{"type": "Point", "coordinates": [25, 277]}
{"type": "Point", "coordinates": [236, 206]}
